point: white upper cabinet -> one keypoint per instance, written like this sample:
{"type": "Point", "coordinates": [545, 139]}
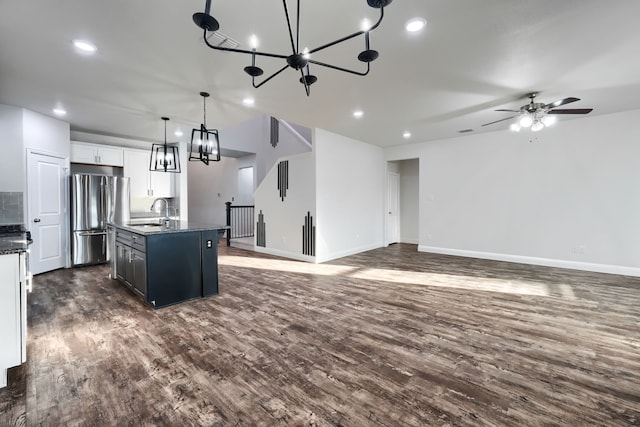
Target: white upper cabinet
{"type": "Point", "coordinates": [94, 154]}
{"type": "Point", "coordinates": [143, 182]}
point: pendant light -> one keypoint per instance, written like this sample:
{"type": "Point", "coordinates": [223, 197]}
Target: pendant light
{"type": "Point", "coordinates": [164, 158]}
{"type": "Point", "coordinates": [205, 145]}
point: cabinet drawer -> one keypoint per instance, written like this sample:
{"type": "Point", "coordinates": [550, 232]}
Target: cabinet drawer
{"type": "Point", "coordinates": [123, 237]}
{"type": "Point", "coordinates": [138, 242]}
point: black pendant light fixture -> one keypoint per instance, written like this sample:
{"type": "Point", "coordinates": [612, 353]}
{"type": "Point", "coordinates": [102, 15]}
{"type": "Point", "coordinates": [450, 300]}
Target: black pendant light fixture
{"type": "Point", "coordinates": [205, 144]}
{"type": "Point", "coordinates": [164, 158]}
{"type": "Point", "coordinates": [299, 59]}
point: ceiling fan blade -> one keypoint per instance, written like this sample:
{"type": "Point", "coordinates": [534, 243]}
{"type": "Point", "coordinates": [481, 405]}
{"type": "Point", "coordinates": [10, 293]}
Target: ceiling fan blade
{"type": "Point", "coordinates": [501, 120]}
{"type": "Point", "coordinates": [560, 102]}
{"type": "Point", "coordinates": [510, 111]}
{"type": "Point", "coordinates": [571, 111]}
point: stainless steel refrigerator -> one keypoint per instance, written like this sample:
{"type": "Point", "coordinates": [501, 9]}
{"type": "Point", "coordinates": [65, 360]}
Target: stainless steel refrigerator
{"type": "Point", "coordinates": [95, 201]}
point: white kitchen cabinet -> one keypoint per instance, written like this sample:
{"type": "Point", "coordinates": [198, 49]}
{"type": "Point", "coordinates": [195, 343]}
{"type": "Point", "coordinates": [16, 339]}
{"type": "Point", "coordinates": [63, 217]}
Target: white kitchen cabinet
{"type": "Point", "coordinates": [13, 306]}
{"type": "Point", "coordinates": [95, 154]}
{"type": "Point", "coordinates": [143, 182]}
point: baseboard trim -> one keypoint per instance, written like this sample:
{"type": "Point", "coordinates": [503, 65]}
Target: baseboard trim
{"type": "Point", "coordinates": [547, 262]}
{"type": "Point", "coordinates": [347, 252]}
{"type": "Point", "coordinates": [285, 254]}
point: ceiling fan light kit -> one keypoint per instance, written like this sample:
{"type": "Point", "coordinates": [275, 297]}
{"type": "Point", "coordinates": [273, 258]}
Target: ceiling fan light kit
{"type": "Point", "coordinates": [537, 115]}
{"type": "Point", "coordinates": [299, 60]}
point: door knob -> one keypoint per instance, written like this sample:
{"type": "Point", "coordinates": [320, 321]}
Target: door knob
{"type": "Point", "coordinates": [36, 220]}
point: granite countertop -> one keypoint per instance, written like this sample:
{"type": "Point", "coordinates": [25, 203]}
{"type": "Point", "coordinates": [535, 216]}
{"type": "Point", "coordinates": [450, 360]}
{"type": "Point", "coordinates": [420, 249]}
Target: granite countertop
{"type": "Point", "coordinates": [13, 244]}
{"type": "Point", "coordinates": [172, 227]}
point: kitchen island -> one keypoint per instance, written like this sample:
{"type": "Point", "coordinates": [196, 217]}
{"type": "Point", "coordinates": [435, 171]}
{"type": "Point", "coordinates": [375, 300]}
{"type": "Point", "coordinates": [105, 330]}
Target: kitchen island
{"type": "Point", "coordinates": [167, 262]}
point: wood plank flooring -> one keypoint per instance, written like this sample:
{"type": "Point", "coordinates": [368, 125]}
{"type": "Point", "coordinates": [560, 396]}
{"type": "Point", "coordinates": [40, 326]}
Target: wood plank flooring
{"type": "Point", "coordinates": [390, 337]}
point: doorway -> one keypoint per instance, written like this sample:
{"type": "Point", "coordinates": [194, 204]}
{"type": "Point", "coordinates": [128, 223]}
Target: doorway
{"type": "Point", "coordinates": [46, 211]}
{"type": "Point", "coordinates": [393, 205]}
{"type": "Point", "coordinates": [245, 186]}
{"type": "Point", "coordinates": [402, 216]}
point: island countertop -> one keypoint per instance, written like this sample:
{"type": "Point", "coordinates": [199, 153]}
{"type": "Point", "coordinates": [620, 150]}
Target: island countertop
{"type": "Point", "coordinates": [173, 226]}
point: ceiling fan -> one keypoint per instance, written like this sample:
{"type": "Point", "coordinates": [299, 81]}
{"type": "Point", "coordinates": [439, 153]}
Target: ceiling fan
{"type": "Point", "coordinates": [538, 115]}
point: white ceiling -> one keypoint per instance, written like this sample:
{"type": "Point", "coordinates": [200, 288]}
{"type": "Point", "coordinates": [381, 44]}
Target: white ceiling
{"type": "Point", "coordinates": [475, 56]}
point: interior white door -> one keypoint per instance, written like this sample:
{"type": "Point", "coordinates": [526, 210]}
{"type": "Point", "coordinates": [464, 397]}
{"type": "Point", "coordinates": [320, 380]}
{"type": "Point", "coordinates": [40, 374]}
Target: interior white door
{"type": "Point", "coordinates": [393, 204]}
{"type": "Point", "coordinates": [245, 186]}
{"type": "Point", "coordinates": [47, 211]}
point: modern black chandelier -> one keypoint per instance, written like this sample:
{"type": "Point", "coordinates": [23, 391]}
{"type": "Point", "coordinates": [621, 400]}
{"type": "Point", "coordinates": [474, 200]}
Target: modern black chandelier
{"type": "Point", "coordinates": [298, 60]}
{"type": "Point", "coordinates": [164, 158]}
{"type": "Point", "coordinates": [205, 144]}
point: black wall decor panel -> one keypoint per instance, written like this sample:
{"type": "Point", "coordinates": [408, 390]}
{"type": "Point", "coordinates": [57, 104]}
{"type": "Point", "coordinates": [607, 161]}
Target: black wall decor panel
{"type": "Point", "coordinates": [283, 178]}
{"type": "Point", "coordinates": [309, 236]}
{"type": "Point", "coordinates": [260, 231]}
{"type": "Point", "coordinates": [275, 131]}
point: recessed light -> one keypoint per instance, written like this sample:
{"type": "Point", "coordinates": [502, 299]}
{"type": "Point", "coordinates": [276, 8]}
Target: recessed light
{"type": "Point", "coordinates": [59, 112]}
{"type": "Point", "coordinates": [358, 113]}
{"type": "Point", "coordinates": [248, 101]}
{"type": "Point", "coordinates": [406, 134]}
{"type": "Point", "coordinates": [415, 24]}
{"type": "Point", "coordinates": [178, 133]}
{"type": "Point", "coordinates": [85, 46]}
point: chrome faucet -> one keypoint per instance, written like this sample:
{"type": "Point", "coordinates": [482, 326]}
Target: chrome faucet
{"type": "Point", "coordinates": [167, 206]}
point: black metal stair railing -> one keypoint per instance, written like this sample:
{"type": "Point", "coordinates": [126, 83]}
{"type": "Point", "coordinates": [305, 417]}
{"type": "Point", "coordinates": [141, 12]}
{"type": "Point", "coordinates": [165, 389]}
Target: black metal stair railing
{"type": "Point", "coordinates": [240, 220]}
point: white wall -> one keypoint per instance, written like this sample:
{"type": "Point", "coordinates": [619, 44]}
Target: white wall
{"type": "Point", "coordinates": [284, 219]}
{"type": "Point", "coordinates": [253, 135]}
{"type": "Point", "coordinates": [409, 197]}
{"type": "Point", "coordinates": [12, 159]}
{"type": "Point", "coordinates": [45, 134]}
{"type": "Point", "coordinates": [209, 188]}
{"type": "Point", "coordinates": [350, 192]}
{"type": "Point", "coordinates": [569, 198]}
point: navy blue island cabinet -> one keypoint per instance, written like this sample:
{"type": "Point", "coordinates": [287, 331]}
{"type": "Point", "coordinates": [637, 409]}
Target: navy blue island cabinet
{"type": "Point", "coordinates": [167, 263]}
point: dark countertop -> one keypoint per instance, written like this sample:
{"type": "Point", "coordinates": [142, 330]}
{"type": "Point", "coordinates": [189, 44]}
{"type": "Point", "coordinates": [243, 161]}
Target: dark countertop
{"type": "Point", "coordinates": [13, 244]}
{"type": "Point", "coordinates": [173, 227]}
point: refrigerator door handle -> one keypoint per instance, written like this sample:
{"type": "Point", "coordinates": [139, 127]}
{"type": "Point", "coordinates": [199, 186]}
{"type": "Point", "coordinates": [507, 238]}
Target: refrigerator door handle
{"type": "Point", "coordinates": [92, 233]}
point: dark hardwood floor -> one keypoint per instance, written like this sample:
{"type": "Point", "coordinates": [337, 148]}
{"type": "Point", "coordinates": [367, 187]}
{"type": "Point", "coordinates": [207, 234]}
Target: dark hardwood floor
{"type": "Point", "coordinates": [390, 337]}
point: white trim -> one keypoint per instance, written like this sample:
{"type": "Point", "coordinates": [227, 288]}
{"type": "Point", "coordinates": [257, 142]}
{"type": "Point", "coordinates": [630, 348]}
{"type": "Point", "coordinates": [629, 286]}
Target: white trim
{"type": "Point", "coordinates": [347, 252]}
{"type": "Point", "coordinates": [284, 254]}
{"type": "Point", "coordinates": [548, 262]}
{"type": "Point", "coordinates": [316, 259]}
